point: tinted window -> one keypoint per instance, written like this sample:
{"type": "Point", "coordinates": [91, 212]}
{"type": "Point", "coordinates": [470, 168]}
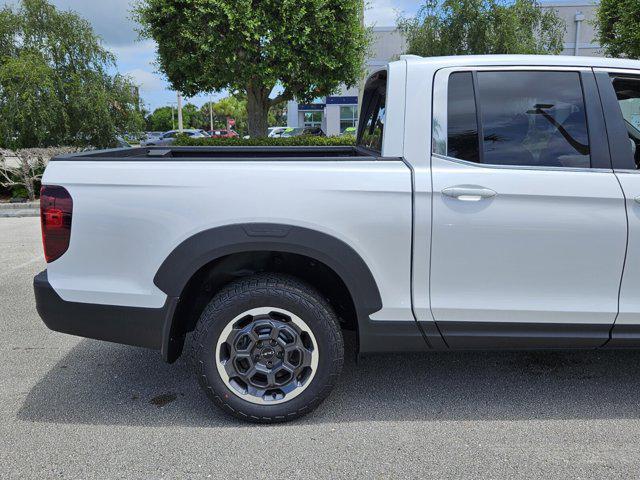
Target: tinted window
{"type": "Point", "coordinates": [371, 128]}
{"type": "Point", "coordinates": [628, 92]}
{"type": "Point", "coordinates": [462, 121]}
{"type": "Point", "coordinates": [533, 118]}
{"type": "Point", "coordinates": [374, 125]}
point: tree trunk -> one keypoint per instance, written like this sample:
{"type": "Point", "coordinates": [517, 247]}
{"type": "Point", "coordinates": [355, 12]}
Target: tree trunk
{"type": "Point", "coordinates": [258, 105]}
{"type": "Point", "coordinates": [27, 178]}
{"type": "Point", "coordinates": [31, 189]}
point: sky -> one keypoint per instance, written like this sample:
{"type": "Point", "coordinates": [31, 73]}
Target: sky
{"type": "Point", "coordinates": [111, 19]}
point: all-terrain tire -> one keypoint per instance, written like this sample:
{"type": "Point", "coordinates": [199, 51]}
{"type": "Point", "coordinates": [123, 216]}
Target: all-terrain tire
{"type": "Point", "coordinates": [268, 290]}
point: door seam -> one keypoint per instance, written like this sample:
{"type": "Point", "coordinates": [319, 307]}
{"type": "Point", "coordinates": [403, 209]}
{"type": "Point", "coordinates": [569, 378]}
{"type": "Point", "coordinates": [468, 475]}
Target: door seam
{"type": "Point", "coordinates": [624, 261]}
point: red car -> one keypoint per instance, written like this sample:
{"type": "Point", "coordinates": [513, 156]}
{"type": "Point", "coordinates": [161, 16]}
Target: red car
{"type": "Point", "coordinates": [223, 133]}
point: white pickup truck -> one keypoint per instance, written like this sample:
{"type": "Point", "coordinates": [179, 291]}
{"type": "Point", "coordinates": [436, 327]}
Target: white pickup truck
{"type": "Point", "coordinates": [491, 202]}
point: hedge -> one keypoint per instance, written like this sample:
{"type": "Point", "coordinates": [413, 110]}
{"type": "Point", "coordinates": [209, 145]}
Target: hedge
{"type": "Point", "coordinates": [300, 141]}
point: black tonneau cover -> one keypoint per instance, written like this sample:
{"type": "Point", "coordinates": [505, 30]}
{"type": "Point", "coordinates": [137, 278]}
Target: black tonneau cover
{"type": "Point", "coordinates": [221, 154]}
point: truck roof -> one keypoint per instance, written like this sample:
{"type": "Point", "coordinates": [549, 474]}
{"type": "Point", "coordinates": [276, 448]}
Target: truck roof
{"type": "Point", "coordinates": [524, 60]}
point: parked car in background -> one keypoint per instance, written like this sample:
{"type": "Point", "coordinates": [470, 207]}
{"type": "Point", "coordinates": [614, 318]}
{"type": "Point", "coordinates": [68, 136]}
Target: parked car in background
{"type": "Point", "coordinates": [223, 134]}
{"type": "Point", "coordinates": [296, 132]}
{"type": "Point", "coordinates": [122, 143]}
{"type": "Point", "coordinates": [169, 137]}
{"type": "Point", "coordinates": [148, 136]}
{"type": "Point", "coordinates": [276, 132]}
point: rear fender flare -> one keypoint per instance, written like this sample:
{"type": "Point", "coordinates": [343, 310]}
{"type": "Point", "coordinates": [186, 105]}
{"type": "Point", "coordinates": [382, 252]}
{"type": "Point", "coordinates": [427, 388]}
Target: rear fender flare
{"type": "Point", "coordinates": [208, 245]}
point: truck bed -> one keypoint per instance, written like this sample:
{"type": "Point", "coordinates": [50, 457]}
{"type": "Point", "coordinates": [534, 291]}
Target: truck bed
{"type": "Point", "coordinates": [223, 154]}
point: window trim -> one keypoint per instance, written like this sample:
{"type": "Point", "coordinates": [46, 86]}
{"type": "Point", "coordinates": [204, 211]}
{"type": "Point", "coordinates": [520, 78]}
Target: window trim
{"type": "Point", "coordinates": [616, 130]}
{"type": "Point", "coordinates": [600, 162]}
{"type": "Point", "coordinates": [479, 124]}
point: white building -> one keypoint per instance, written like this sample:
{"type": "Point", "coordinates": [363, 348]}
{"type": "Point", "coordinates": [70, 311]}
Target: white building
{"type": "Point", "coordinates": [337, 112]}
{"type": "Point", "coordinates": [578, 15]}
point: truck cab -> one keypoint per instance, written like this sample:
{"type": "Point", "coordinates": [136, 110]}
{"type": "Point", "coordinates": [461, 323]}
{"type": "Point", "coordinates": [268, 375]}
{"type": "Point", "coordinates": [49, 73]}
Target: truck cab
{"type": "Point", "coordinates": [525, 186]}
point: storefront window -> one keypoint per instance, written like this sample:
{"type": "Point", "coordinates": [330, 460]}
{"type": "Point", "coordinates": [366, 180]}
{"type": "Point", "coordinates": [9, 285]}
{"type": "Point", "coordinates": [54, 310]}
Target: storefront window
{"type": "Point", "coordinates": [313, 119]}
{"type": "Point", "coordinates": [348, 118]}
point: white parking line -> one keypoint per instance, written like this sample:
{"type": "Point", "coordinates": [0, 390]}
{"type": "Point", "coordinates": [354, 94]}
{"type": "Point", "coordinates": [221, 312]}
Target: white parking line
{"type": "Point", "coordinates": [22, 265]}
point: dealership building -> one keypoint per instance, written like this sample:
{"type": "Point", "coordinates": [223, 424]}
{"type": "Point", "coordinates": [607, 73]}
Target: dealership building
{"type": "Point", "coordinates": [337, 112]}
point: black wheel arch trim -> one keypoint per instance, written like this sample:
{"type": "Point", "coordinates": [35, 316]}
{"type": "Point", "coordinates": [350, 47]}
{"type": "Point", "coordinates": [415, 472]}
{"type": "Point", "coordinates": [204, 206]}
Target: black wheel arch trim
{"type": "Point", "coordinates": [208, 245]}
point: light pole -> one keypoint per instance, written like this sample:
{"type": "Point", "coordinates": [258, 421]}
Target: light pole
{"type": "Point", "coordinates": [210, 114]}
{"type": "Point", "coordinates": [180, 126]}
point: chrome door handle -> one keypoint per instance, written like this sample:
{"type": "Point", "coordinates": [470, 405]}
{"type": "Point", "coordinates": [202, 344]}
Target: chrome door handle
{"type": "Point", "coordinates": [469, 193]}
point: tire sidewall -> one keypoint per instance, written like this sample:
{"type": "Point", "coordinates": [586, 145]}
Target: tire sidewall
{"type": "Point", "coordinates": [315, 313]}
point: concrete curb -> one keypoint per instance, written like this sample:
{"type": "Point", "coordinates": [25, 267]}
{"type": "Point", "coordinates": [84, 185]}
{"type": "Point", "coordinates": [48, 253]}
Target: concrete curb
{"type": "Point", "coordinates": [27, 209]}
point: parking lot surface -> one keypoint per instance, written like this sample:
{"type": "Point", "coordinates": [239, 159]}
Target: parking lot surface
{"type": "Point", "coordinates": [77, 408]}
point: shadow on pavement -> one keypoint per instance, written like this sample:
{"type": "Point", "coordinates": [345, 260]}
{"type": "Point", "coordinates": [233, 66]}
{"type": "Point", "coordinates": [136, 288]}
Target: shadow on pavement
{"type": "Point", "coordinates": [101, 383]}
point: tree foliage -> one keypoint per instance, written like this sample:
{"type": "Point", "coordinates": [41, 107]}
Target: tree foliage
{"type": "Point", "coordinates": [467, 27]}
{"type": "Point", "coordinates": [618, 26]}
{"type": "Point", "coordinates": [306, 47]}
{"type": "Point", "coordinates": [235, 107]}
{"type": "Point", "coordinates": [55, 85]}
{"type": "Point", "coordinates": [161, 119]}
{"type": "Point", "coordinates": [231, 107]}
{"type": "Point", "coordinates": [166, 118]}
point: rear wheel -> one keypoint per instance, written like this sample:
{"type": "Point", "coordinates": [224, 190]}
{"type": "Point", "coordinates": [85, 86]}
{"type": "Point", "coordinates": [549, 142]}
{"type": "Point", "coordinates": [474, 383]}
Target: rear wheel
{"type": "Point", "coordinates": [268, 348]}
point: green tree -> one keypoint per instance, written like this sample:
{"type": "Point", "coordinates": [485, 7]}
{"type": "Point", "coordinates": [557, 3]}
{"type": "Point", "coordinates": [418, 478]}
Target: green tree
{"type": "Point", "coordinates": [166, 118]}
{"type": "Point", "coordinates": [278, 116]}
{"type": "Point", "coordinates": [192, 117]}
{"type": "Point", "coordinates": [234, 107]}
{"type": "Point", "coordinates": [161, 119]}
{"type": "Point", "coordinates": [55, 85]}
{"type": "Point", "coordinates": [306, 47]}
{"type": "Point", "coordinates": [31, 114]}
{"type": "Point", "coordinates": [618, 26]}
{"type": "Point", "coordinates": [467, 27]}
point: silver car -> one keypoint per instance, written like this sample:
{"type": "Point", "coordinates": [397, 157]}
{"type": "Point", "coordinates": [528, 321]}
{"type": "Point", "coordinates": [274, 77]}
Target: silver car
{"type": "Point", "coordinates": [169, 137]}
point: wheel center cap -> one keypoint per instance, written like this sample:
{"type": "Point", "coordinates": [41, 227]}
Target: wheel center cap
{"type": "Point", "coordinates": [267, 353]}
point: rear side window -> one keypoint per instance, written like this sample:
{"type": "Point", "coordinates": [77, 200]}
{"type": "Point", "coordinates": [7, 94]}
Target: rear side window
{"type": "Point", "coordinates": [526, 118]}
{"type": "Point", "coordinates": [371, 129]}
{"type": "Point", "coordinates": [462, 135]}
{"type": "Point", "coordinates": [374, 125]}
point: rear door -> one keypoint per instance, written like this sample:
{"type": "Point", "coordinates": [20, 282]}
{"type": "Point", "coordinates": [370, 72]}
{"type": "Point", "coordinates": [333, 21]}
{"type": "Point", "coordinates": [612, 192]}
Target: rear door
{"type": "Point", "coordinates": [529, 225]}
{"type": "Point", "coordinates": [620, 93]}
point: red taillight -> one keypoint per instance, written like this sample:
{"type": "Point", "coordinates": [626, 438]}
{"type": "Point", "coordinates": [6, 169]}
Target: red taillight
{"type": "Point", "coordinates": [56, 208]}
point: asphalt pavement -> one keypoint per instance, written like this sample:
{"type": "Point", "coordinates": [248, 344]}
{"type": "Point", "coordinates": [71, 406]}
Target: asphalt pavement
{"type": "Point", "coordinates": [77, 408]}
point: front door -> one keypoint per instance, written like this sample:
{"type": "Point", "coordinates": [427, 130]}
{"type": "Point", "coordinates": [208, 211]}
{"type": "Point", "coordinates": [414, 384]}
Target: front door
{"type": "Point", "coordinates": [529, 224]}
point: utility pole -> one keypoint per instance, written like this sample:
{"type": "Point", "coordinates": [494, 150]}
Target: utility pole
{"type": "Point", "coordinates": [180, 126]}
{"type": "Point", "coordinates": [579, 18]}
{"type": "Point", "coordinates": [210, 113]}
